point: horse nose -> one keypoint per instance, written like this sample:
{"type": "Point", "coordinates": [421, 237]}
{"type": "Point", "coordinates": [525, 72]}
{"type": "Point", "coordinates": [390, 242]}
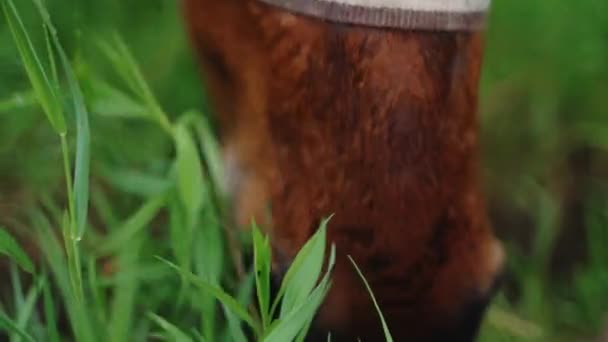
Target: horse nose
{"type": "Point", "coordinates": [464, 325]}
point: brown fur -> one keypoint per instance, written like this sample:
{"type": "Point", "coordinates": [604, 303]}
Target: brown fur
{"type": "Point", "coordinates": [377, 126]}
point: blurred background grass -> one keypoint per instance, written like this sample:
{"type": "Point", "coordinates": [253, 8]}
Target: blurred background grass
{"type": "Point", "coordinates": [544, 132]}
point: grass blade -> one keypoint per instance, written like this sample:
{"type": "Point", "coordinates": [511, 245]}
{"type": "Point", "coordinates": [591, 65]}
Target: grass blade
{"type": "Point", "coordinates": [17, 101]}
{"type": "Point", "coordinates": [123, 61]}
{"type": "Point", "coordinates": [136, 182]}
{"type": "Point", "coordinates": [124, 294]}
{"type": "Point", "coordinates": [173, 331]}
{"type": "Point", "coordinates": [387, 333]}
{"type": "Point", "coordinates": [27, 309]}
{"type": "Point", "coordinates": [218, 293]}
{"type": "Point", "coordinates": [104, 208]}
{"type": "Point", "coordinates": [297, 320]}
{"type": "Point", "coordinates": [304, 272]}
{"type": "Point", "coordinates": [50, 312]}
{"type": "Point", "coordinates": [189, 171]}
{"type": "Point", "coordinates": [133, 225]}
{"type": "Point", "coordinates": [10, 326]}
{"type": "Point", "coordinates": [51, 54]}
{"type": "Point", "coordinates": [43, 88]}
{"type": "Point", "coordinates": [180, 233]}
{"type": "Point", "coordinates": [261, 260]}
{"type": "Point", "coordinates": [514, 325]}
{"type": "Point", "coordinates": [52, 250]}
{"type": "Point", "coordinates": [108, 101]}
{"type": "Point", "coordinates": [83, 153]}
{"type": "Point", "coordinates": [10, 248]}
{"type": "Point", "coordinates": [73, 259]}
{"type": "Point", "coordinates": [209, 264]}
{"type": "Point", "coordinates": [83, 134]}
{"type": "Point", "coordinates": [235, 331]}
{"type": "Point", "coordinates": [290, 326]}
{"type": "Point", "coordinates": [210, 149]}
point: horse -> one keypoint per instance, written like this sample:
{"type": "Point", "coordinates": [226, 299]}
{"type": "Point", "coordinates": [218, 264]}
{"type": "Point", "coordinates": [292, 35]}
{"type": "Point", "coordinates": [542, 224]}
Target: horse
{"type": "Point", "coordinates": [367, 110]}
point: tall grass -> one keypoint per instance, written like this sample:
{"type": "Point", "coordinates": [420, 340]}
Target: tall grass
{"type": "Point", "coordinates": [134, 237]}
{"type": "Point", "coordinates": [194, 202]}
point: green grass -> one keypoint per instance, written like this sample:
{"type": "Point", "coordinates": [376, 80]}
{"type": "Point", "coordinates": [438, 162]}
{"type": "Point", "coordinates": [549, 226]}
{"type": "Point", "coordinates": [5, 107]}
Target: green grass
{"type": "Point", "coordinates": [108, 160]}
{"type": "Point", "coordinates": [194, 204]}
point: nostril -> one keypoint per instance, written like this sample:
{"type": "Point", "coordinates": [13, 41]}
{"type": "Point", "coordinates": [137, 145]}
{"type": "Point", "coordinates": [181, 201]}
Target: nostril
{"type": "Point", "coordinates": [468, 320]}
{"type": "Point", "coordinates": [473, 312]}
{"type": "Point", "coordinates": [466, 327]}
